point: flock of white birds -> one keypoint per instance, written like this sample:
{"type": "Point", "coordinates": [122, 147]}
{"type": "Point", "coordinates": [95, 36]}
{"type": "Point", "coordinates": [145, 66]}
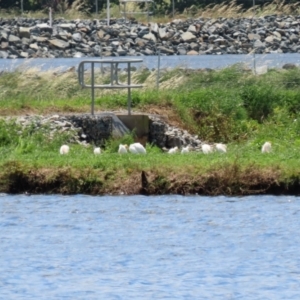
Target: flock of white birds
{"type": "Point", "coordinates": [138, 148]}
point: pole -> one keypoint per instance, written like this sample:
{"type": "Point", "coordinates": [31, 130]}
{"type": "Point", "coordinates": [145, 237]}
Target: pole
{"type": "Point", "coordinates": [93, 88]}
{"type": "Point", "coordinates": [125, 11]}
{"type": "Point", "coordinates": [129, 90]}
{"type": "Point", "coordinates": [254, 58]}
{"type": "Point", "coordinates": [102, 69]}
{"type": "Point", "coordinates": [22, 7]}
{"type": "Point", "coordinates": [147, 5]}
{"type": "Point", "coordinates": [173, 8]}
{"type": "Point", "coordinates": [158, 70]}
{"type": "Point", "coordinates": [50, 17]}
{"type": "Point", "coordinates": [108, 12]}
{"type": "Point", "coordinates": [96, 4]}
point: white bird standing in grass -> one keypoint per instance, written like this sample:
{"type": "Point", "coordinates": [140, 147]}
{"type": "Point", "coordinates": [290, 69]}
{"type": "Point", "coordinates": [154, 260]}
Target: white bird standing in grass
{"type": "Point", "coordinates": [137, 148]}
{"type": "Point", "coordinates": [122, 149]}
{"type": "Point", "coordinates": [206, 149]}
{"type": "Point", "coordinates": [97, 150]}
{"type": "Point", "coordinates": [173, 150]}
{"type": "Point", "coordinates": [266, 148]}
{"type": "Point", "coordinates": [64, 149]}
{"type": "Point", "coordinates": [221, 147]}
{"type": "Point", "coordinates": [185, 149]}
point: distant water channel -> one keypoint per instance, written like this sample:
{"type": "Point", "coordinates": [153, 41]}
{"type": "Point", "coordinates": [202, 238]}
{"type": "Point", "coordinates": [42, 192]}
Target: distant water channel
{"type": "Point", "coordinates": [273, 60]}
{"type": "Point", "coordinates": [136, 247]}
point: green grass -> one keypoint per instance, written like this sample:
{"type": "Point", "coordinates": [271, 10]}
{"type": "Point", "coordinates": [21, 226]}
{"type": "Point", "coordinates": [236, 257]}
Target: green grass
{"type": "Point", "coordinates": [231, 106]}
{"type": "Point", "coordinates": [107, 170]}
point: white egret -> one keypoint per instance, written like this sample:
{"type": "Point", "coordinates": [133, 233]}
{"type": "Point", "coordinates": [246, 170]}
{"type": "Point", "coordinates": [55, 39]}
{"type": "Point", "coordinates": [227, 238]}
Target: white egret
{"type": "Point", "coordinates": [185, 149]}
{"type": "Point", "coordinates": [137, 148]}
{"type": "Point", "coordinates": [64, 149]}
{"type": "Point", "coordinates": [266, 148]}
{"type": "Point", "coordinates": [173, 150]}
{"type": "Point", "coordinates": [206, 149]}
{"type": "Point", "coordinates": [122, 149]}
{"type": "Point", "coordinates": [97, 150]}
{"type": "Point", "coordinates": [221, 147]}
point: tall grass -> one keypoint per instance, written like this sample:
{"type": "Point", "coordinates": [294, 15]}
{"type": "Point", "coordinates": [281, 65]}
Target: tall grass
{"type": "Point", "coordinates": [81, 9]}
{"type": "Point", "coordinates": [226, 105]}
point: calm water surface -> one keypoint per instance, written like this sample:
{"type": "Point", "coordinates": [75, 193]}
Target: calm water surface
{"type": "Point", "coordinates": [168, 247]}
{"type": "Point", "coordinates": [273, 60]}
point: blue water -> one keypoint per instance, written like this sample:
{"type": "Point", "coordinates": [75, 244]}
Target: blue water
{"type": "Point", "coordinates": [274, 60]}
{"type": "Point", "coordinates": [168, 247]}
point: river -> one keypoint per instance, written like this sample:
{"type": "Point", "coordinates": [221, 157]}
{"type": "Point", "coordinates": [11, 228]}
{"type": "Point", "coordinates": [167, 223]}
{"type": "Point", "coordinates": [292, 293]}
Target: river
{"type": "Point", "coordinates": [273, 60]}
{"type": "Point", "coordinates": [137, 247]}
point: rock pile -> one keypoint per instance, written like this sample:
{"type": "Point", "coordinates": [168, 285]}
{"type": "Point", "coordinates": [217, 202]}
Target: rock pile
{"type": "Point", "coordinates": [31, 38]}
{"type": "Point", "coordinates": [166, 136]}
{"type": "Point", "coordinates": [86, 129]}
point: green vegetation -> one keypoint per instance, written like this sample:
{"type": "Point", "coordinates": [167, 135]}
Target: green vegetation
{"type": "Point", "coordinates": [232, 106]}
{"type": "Point", "coordinates": [162, 9]}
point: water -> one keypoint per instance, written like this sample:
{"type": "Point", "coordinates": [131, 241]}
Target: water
{"type": "Point", "coordinates": [274, 60]}
{"type": "Point", "coordinates": [168, 247]}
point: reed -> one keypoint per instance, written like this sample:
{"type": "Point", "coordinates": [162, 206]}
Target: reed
{"type": "Point", "coordinates": [80, 9]}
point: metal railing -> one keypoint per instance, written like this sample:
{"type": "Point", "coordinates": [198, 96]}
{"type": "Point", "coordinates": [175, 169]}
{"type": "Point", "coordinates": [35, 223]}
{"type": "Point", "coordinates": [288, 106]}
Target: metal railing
{"type": "Point", "coordinates": [114, 78]}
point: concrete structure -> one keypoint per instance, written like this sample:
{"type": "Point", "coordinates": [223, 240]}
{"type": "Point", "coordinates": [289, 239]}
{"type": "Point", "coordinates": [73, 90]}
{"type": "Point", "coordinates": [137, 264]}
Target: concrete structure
{"type": "Point", "coordinates": [139, 124]}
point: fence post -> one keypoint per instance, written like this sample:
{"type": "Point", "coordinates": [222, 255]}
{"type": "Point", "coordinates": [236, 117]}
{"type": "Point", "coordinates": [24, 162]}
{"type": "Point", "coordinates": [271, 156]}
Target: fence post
{"type": "Point", "coordinates": [129, 89]}
{"type": "Point", "coordinates": [158, 70]}
{"type": "Point", "coordinates": [96, 4]}
{"type": "Point", "coordinates": [50, 17]}
{"type": "Point", "coordinates": [93, 88]}
{"type": "Point", "coordinates": [125, 11]}
{"type": "Point", "coordinates": [173, 8]}
{"type": "Point", "coordinates": [254, 58]}
{"type": "Point", "coordinates": [101, 66]}
{"type": "Point", "coordinates": [147, 11]}
{"type": "Point", "coordinates": [108, 12]}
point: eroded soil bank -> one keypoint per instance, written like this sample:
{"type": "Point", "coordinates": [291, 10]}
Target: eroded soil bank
{"type": "Point", "coordinates": [231, 180]}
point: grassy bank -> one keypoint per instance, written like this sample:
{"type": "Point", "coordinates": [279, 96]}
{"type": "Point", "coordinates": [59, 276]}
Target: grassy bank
{"type": "Point", "coordinates": [232, 106]}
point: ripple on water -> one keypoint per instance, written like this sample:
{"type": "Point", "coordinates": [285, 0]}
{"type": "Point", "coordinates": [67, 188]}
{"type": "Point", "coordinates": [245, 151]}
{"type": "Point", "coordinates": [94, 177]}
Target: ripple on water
{"type": "Point", "coordinates": [164, 247]}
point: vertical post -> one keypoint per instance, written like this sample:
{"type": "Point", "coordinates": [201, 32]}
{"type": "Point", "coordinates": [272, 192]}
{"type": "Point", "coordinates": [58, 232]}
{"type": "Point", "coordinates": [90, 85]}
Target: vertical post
{"type": "Point", "coordinates": [173, 8]}
{"type": "Point", "coordinates": [108, 12]}
{"type": "Point", "coordinates": [50, 17]}
{"type": "Point", "coordinates": [96, 4]}
{"type": "Point", "coordinates": [147, 5]}
{"type": "Point", "coordinates": [158, 70]}
{"type": "Point", "coordinates": [102, 69]}
{"type": "Point", "coordinates": [112, 66]}
{"type": "Point", "coordinates": [22, 7]}
{"type": "Point", "coordinates": [254, 62]}
{"type": "Point", "coordinates": [116, 73]}
{"type": "Point", "coordinates": [125, 11]}
{"type": "Point", "coordinates": [93, 88]}
{"type": "Point", "coordinates": [129, 89]}
{"type": "Point", "coordinates": [254, 58]}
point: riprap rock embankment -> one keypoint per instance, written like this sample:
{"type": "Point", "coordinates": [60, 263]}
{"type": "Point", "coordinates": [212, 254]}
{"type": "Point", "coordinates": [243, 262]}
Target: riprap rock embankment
{"type": "Point", "coordinates": [87, 129]}
{"type": "Point", "coordinates": [32, 38]}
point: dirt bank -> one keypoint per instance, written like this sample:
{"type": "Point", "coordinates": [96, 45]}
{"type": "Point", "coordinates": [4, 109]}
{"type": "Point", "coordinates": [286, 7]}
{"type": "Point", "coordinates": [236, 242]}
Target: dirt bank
{"type": "Point", "coordinates": [231, 180]}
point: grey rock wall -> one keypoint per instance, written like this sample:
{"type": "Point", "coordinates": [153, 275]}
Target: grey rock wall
{"type": "Point", "coordinates": [31, 38]}
{"type": "Point", "coordinates": [87, 129]}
